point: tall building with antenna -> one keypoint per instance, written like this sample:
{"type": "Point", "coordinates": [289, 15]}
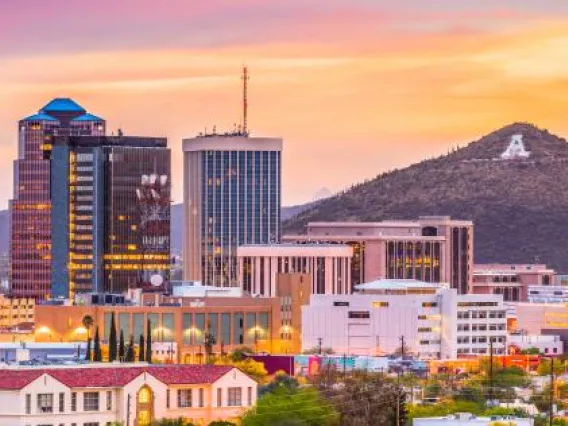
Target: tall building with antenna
{"type": "Point", "coordinates": [30, 208]}
{"type": "Point", "coordinates": [232, 196]}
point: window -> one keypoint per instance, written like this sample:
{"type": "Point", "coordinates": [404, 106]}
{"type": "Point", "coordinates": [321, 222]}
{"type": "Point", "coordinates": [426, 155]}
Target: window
{"type": "Point", "coordinates": [424, 329]}
{"type": "Point", "coordinates": [249, 396]}
{"type": "Point", "coordinates": [109, 400]}
{"type": "Point", "coordinates": [184, 398]}
{"type": "Point", "coordinates": [45, 403]}
{"type": "Point", "coordinates": [219, 397]}
{"type": "Point", "coordinates": [380, 304]}
{"type": "Point", "coordinates": [234, 397]}
{"type": "Point", "coordinates": [91, 401]}
{"type": "Point", "coordinates": [61, 402]}
{"type": "Point", "coordinates": [340, 303]}
{"type": "Point", "coordinates": [28, 403]}
{"type": "Point", "coordinates": [91, 424]}
{"type": "Point", "coordinates": [422, 317]}
{"type": "Point", "coordinates": [429, 305]}
{"type": "Point", "coordinates": [73, 401]}
{"type": "Point", "coordinates": [359, 315]}
{"type": "Point", "coordinates": [167, 398]}
{"type": "Point", "coordinates": [201, 398]}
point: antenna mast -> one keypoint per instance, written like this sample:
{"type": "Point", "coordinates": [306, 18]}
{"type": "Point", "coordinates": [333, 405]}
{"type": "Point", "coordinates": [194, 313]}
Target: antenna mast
{"type": "Point", "coordinates": [245, 101]}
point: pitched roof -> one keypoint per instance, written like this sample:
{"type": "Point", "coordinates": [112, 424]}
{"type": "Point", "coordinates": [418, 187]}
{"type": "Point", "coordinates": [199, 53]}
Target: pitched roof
{"type": "Point", "coordinates": [41, 116]}
{"type": "Point", "coordinates": [81, 377]}
{"type": "Point", "coordinates": [87, 117]}
{"type": "Point", "coordinates": [63, 105]}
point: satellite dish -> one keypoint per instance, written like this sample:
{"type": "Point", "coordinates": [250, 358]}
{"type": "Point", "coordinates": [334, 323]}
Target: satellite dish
{"type": "Point", "coordinates": [156, 280]}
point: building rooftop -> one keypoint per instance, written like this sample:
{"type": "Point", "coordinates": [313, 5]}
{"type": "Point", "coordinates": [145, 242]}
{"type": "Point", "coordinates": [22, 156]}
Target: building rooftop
{"type": "Point", "coordinates": [41, 116]}
{"type": "Point", "coordinates": [91, 376]}
{"type": "Point", "coordinates": [88, 117]}
{"type": "Point", "coordinates": [62, 105]}
{"type": "Point", "coordinates": [397, 285]}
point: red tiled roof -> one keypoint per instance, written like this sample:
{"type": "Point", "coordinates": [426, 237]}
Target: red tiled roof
{"type": "Point", "coordinates": [115, 376]}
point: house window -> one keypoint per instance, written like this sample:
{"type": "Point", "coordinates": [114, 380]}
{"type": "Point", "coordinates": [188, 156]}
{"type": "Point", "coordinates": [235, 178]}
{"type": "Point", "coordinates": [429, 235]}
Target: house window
{"type": "Point", "coordinates": [28, 403]}
{"type": "Point", "coordinates": [249, 396]}
{"type": "Point", "coordinates": [235, 397]}
{"type": "Point", "coordinates": [167, 398]}
{"type": "Point", "coordinates": [184, 398]}
{"type": "Point", "coordinates": [201, 398]}
{"type": "Point", "coordinates": [61, 402]}
{"type": "Point", "coordinates": [45, 403]}
{"type": "Point", "coordinates": [109, 400]}
{"type": "Point", "coordinates": [73, 401]}
{"type": "Point", "coordinates": [91, 401]}
{"type": "Point", "coordinates": [219, 397]}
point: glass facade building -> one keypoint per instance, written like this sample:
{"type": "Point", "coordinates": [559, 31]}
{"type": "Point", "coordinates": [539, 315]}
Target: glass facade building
{"type": "Point", "coordinates": [110, 214]}
{"type": "Point", "coordinates": [30, 208]}
{"type": "Point", "coordinates": [232, 192]}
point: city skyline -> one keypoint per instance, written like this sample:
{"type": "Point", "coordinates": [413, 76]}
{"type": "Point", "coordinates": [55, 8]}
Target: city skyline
{"type": "Point", "coordinates": [395, 84]}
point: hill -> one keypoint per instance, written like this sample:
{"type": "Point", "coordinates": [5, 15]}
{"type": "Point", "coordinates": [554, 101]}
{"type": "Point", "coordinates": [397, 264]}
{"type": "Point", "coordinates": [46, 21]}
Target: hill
{"type": "Point", "coordinates": [519, 206]}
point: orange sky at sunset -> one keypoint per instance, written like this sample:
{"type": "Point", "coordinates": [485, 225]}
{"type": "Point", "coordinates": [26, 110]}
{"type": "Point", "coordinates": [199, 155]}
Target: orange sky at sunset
{"type": "Point", "coordinates": [353, 93]}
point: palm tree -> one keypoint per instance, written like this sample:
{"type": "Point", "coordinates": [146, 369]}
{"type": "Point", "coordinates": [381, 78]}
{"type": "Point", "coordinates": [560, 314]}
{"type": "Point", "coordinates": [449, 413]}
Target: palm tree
{"type": "Point", "coordinates": [88, 322]}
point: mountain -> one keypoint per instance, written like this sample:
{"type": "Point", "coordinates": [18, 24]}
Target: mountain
{"type": "Point", "coordinates": [519, 206]}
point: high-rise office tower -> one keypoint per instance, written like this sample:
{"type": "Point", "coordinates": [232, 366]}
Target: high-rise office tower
{"type": "Point", "coordinates": [232, 192]}
{"type": "Point", "coordinates": [110, 213]}
{"type": "Point", "coordinates": [30, 209]}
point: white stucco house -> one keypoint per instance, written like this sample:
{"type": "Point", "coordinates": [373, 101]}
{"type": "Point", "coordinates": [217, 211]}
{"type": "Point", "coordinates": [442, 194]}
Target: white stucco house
{"type": "Point", "coordinates": [133, 394]}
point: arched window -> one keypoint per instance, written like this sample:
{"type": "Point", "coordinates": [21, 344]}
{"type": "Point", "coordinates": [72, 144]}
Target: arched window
{"type": "Point", "coordinates": [144, 406]}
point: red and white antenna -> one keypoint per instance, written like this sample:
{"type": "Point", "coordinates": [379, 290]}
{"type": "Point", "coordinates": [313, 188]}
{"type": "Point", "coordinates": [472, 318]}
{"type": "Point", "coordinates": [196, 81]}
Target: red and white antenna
{"type": "Point", "coordinates": [245, 100]}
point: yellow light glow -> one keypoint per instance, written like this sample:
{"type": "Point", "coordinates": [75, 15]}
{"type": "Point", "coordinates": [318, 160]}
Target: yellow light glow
{"type": "Point", "coordinates": [43, 329]}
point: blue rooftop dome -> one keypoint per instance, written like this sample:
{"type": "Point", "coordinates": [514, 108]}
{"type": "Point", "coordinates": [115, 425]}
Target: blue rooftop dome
{"type": "Point", "coordinates": [87, 117]}
{"type": "Point", "coordinates": [40, 117]}
{"type": "Point", "coordinates": [63, 105]}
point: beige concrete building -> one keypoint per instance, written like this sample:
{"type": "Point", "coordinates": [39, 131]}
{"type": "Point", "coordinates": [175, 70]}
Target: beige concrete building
{"type": "Point", "coordinates": [431, 249]}
{"type": "Point", "coordinates": [15, 311]}
{"type": "Point", "coordinates": [328, 266]}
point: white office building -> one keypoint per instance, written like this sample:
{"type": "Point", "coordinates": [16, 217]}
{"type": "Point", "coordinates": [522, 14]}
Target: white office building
{"type": "Point", "coordinates": [434, 321]}
{"type": "Point", "coordinates": [467, 419]}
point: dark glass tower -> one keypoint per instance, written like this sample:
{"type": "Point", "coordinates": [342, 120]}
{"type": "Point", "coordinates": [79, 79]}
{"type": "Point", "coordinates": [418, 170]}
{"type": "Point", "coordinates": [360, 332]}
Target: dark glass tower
{"type": "Point", "coordinates": [30, 209]}
{"type": "Point", "coordinates": [111, 213]}
{"type": "Point", "coordinates": [232, 192]}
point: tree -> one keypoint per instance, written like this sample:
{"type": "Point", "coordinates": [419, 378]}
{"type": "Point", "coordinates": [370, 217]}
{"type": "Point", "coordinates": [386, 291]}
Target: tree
{"type": "Point", "coordinates": [285, 407]}
{"type": "Point", "coordinates": [249, 366]}
{"type": "Point", "coordinates": [402, 416]}
{"type": "Point", "coordinates": [172, 422]}
{"type": "Point", "coordinates": [280, 380]}
{"type": "Point", "coordinates": [97, 354]}
{"type": "Point", "coordinates": [148, 342]}
{"type": "Point", "coordinates": [112, 340]}
{"type": "Point", "coordinates": [88, 350]}
{"type": "Point", "coordinates": [209, 341]}
{"type": "Point", "coordinates": [141, 348]}
{"type": "Point", "coordinates": [88, 323]}
{"type": "Point", "coordinates": [222, 423]}
{"type": "Point", "coordinates": [240, 353]}
{"type": "Point", "coordinates": [121, 348]}
{"type": "Point", "coordinates": [130, 351]}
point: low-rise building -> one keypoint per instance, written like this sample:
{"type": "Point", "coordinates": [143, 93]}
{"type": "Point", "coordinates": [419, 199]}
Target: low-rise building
{"type": "Point", "coordinates": [430, 321]}
{"type": "Point", "coordinates": [133, 394]}
{"type": "Point", "coordinates": [546, 344]}
{"type": "Point", "coordinates": [512, 281]}
{"type": "Point", "coordinates": [467, 419]}
{"type": "Point", "coordinates": [15, 311]}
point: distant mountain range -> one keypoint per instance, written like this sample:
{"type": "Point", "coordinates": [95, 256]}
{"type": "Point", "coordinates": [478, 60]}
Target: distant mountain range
{"type": "Point", "coordinates": [519, 206]}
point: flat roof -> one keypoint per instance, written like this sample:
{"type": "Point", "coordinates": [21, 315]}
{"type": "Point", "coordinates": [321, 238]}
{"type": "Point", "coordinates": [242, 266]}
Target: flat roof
{"type": "Point", "coordinates": [397, 284]}
{"type": "Point", "coordinates": [231, 143]}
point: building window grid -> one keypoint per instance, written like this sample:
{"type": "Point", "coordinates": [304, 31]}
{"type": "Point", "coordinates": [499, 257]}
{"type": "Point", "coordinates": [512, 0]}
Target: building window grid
{"type": "Point", "coordinates": [91, 401]}
{"type": "Point", "coordinates": [234, 397]}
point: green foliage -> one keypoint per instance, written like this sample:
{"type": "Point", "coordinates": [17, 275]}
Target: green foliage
{"type": "Point", "coordinates": [239, 353]}
{"type": "Point", "coordinates": [130, 351]}
{"type": "Point", "coordinates": [285, 407]}
{"type": "Point", "coordinates": [97, 354]}
{"type": "Point", "coordinates": [121, 348]}
{"type": "Point", "coordinates": [544, 367]}
{"type": "Point", "coordinates": [112, 339]}
{"type": "Point", "coordinates": [172, 422]}
{"type": "Point", "coordinates": [222, 423]}
{"type": "Point", "coordinates": [148, 342]}
{"type": "Point", "coordinates": [280, 381]}
{"type": "Point", "coordinates": [141, 348]}
{"type": "Point", "coordinates": [248, 366]}
{"type": "Point", "coordinates": [530, 351]}
{"type": "Point", "coordinates": [443, 409]}
{"type": "Point", "coordinates": [88, 322]}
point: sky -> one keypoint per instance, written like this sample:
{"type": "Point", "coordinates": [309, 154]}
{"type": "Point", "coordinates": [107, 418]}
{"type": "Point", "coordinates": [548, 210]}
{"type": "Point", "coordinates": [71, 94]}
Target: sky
{"type": "Point", "coordinates": [354, 87]}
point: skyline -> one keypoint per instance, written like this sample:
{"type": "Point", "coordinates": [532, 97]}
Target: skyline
{"type": "Point", "coordinates": [395, 84]}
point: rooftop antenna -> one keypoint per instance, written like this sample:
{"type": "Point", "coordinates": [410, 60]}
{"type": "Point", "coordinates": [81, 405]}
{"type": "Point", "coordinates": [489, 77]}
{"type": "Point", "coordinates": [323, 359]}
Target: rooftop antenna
{"type": "Point", "coordinates": [245, 101]}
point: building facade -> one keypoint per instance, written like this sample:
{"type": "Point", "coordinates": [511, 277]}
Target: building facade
{"type": "Point", "coordinates": [132, 394]}
{"type": "Point", "coordinates": [179, 323]}
{"type": "Point", "coordinates": [432, 323]}
{"type": "Point", "coordinates": [110, 213]}
{"type": "Point", "coordinates": [432, 249]}
{"type": "Point", "coordinates": [15, 311]}
{"type": "Point", "coordinates": [30, 208]}
{"type": "Point", "coordinates": [328, 265]}
{"type": "Point", "coordinates": [232, 193]}
{"type": "Point", "coordinates": [512, 281]}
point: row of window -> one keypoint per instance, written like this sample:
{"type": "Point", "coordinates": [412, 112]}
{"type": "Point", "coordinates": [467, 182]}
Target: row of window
{"type": "Point", "coordinates": [481, 314]}
{"type": "Point", "coordinates": [46, 402]}
{"type": "Point", "coordinates": [481, 327]}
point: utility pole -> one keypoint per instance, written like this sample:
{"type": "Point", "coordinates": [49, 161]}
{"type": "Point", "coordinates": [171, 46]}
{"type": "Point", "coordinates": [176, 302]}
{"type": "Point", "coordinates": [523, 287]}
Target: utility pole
{"type": "Point", "coordinates": [551, 407]}
{"type": "Point", "coordinates": [402, 346]}
{"type": "Point", "coordinates": [344, 362]}
{"type": "Point", "coordinates": [320, 340]}
{"type": "Point", "coordinates": [491, 369]}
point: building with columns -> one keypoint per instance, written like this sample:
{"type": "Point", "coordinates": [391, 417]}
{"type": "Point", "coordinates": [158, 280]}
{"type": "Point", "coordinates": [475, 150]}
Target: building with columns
{"type": "Point", "coordinates": [328, 265]}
